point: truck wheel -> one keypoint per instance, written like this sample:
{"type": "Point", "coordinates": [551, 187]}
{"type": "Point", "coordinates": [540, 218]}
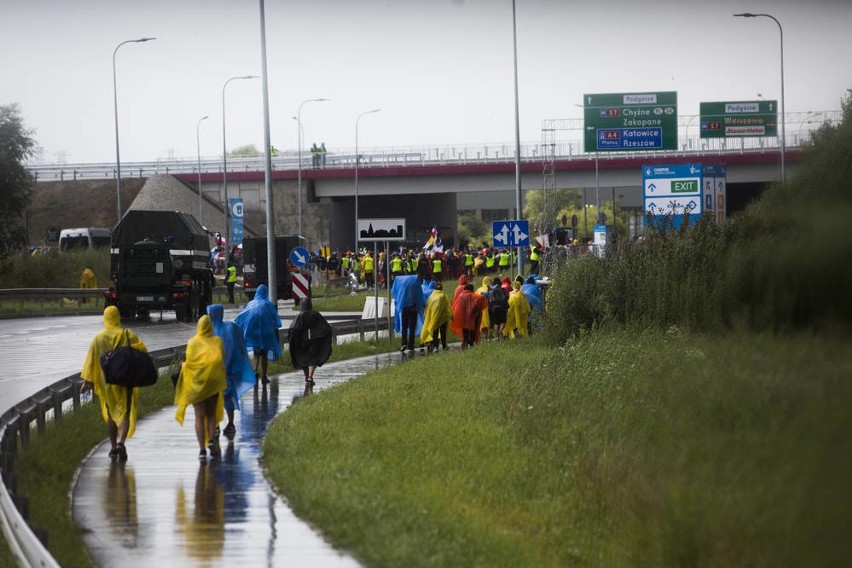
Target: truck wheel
{"type": "Point", "coordinates": [126, 311]}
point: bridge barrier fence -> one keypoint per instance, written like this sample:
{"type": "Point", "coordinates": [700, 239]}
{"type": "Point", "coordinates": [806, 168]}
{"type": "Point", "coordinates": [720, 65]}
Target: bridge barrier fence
{"type": "Point", "coordinates": [799, 126]}
{"type": "Point", "coordinates": [30, 417]}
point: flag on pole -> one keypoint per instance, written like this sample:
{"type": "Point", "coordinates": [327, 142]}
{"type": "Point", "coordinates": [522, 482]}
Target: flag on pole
{"type": "Point", "coordinates": [433, 237]}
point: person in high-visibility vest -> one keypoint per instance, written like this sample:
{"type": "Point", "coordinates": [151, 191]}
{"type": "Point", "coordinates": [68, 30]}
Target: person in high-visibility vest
{"type": "Point", "coordinates": [437, 267]}
{"type": "Point", "coordinates": [230, 281]}
{"type": "Point", "coordinates": [504, 260]}
{"type": "Point", "coordinates": [490, 263]}
{"type": "Point", "coordinates": [396, 266]}
{"type": "Point", "coordinates": [369, 275]}
{"type": "Point", "coordinates": [535, 257]}
{"type": "Point", "coordinates": [468, 263]}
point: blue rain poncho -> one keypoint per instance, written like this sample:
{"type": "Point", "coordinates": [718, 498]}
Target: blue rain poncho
{"type": "Point", "coordinates": [533, 294]}
{"type": "Point", "coordinates": [259, 322]}
{"type": "Point", "coordinates": [238, 369]}
{"type": "Point", "coordinates": [408, 292]}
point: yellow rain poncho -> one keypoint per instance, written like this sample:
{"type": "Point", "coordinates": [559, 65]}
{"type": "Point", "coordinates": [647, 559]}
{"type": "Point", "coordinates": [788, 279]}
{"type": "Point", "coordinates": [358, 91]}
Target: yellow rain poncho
{"type": "Point", "coordinates": [438, 312]}
{"type": "Point", "coordinates": [203, 373]}
{"type": "Point", "coordinates": [113, 398]}
{"type": "Point", "coordinates": [486, 319]}
{"type": "Point", "coordinates": [518, 314]}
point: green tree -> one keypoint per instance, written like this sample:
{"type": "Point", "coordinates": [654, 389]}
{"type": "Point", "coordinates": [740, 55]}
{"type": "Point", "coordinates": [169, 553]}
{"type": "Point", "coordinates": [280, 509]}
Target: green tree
{"type": "Point", "coordinates": [471, 230]}
{"type": "Point", "coordinates": [247, 151]}
{"type": "Point", "coordinates": [16, 146]}
{"type": "Point", "coordinates": [544, 209]}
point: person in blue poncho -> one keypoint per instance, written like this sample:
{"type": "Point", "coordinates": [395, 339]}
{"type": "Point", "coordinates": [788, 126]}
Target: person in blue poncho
{"type": "Point", "coordinates": [409, 304]}
{"type": "Point", "coordinates": [238, 369]}
{"type": "Point", "coordinates": [260, 323]}
{"type": "Point", "coordinates": [533, 293]}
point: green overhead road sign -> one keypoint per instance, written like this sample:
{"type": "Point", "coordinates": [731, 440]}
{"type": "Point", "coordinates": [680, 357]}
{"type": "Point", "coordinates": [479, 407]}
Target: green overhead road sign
{"type": "Point", "coordinates": [738, 119]}
{"type": "Point", "coordinates": [622, 122]}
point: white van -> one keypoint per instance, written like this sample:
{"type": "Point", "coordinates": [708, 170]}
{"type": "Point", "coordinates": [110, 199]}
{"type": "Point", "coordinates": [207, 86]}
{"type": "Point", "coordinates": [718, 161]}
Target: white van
{"type": "Point", "coordinates": [88, 237]}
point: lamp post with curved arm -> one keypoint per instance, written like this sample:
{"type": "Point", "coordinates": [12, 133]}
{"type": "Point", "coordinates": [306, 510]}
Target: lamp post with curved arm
{"type": "Point", "coordinates": [227, 207]}
{"type": "Point", "coordinates": [299, 182]}
{"type": "Point", "coordinates": [115, 104]}
{"type": "Point", "coordinates": [198, 149]}
{"type": "Point", "coordinates": [783, 106]}
{"type": "Point", "coordinates": [357, 160]}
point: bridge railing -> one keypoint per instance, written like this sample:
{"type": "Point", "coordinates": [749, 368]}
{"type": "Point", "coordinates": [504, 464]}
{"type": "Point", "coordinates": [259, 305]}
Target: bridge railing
{"type": "Point", "coordinates": [561, 139]}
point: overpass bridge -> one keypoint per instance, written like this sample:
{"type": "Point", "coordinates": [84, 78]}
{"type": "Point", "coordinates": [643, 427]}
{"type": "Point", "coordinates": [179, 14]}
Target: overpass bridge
{"type": "Point", "coordinates": [429, 186]}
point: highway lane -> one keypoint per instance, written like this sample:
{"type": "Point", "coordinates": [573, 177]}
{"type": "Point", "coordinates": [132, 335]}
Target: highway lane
{"type": "Point", "coordinates": [36, 352]}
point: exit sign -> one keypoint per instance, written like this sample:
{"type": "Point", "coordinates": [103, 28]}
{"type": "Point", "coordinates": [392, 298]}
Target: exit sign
{"type": "Point", "coordinates": [685, 186]}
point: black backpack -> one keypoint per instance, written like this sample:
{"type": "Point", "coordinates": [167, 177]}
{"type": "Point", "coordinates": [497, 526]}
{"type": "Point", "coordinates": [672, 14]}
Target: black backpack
{"type": "Point", "coordinates": [496, 297]}
{"type": "Point", "coordinates": [128, 367]}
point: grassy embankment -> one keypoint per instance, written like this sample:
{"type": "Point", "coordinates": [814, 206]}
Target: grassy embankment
{"type": "Point", "coordinates": [687, 404]}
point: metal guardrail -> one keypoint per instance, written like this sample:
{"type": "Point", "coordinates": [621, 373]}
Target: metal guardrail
{"type": "Point", "coordinates": [28, 544]}
{"type": "Point", "coordinates": [800, 125]}
{"type": "Point", "coordinates": [69, 297]}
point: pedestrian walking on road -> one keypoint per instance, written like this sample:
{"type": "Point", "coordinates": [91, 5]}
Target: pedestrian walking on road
{"type": "Point", "coordinates": [437, 316]}
{"type": "Point", "coordinates": [118, 403]}
{"type": "Point", "coordinates": [467, 315]}
{"type": "Point", "coordinates": [202, 383]}
{"type": "Point", "coordinates": [409, 304]}
{"type": "Point", "coordinates": [310, 341]}
{"type": "Point", "coordinates": [238, 370]}
{"type": "Point", "coordinates": [260, 324]}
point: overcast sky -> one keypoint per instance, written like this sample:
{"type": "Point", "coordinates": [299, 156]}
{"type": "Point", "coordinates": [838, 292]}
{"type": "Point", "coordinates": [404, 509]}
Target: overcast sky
{"type": "Point", "coordinates": [440, 70]}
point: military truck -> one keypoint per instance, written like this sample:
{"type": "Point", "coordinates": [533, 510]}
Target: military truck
{"type": "Point", "coordinates": [159, 260]}
{"type": "Point", "coordinates": [256, 267]}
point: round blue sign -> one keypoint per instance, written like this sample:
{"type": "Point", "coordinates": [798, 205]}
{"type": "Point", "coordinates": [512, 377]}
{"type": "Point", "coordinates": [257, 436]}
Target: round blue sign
{"type": "Point", "coordinates": [299, 256]}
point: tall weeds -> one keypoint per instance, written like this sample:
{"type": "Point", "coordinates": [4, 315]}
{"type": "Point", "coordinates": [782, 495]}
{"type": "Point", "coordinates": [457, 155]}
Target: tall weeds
{"type": "Point", "coordinates": [784, 264]}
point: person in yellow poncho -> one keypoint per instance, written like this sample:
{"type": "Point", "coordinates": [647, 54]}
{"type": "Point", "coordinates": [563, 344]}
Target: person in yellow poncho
{"type": "Point", "coordinates": [202, 383]}
{"type": "Point", "coordinates": [485, 324]}
{"type": "Point", "coordinates": [517, 317]}
{"type": "Point", "coordinates": [118, 404]}
{"type": "Point", "coordinates": [436, 316]}
{"type": "Point", "coordinates": [88, 280]}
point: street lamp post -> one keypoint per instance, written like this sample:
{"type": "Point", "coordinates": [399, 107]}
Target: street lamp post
{"type": "Point", "coordinates": [198, 148]}
{"type": "Point", "coordinates": [299, 167]}
{"type": "Point", "coordinates": [783, 106]}
{"type": "Point", "coordinates": [227, 207]}
{"type": "Point", "coordinates": [357, 160]}
{"type": "Point", "coordinates": [115, 103]}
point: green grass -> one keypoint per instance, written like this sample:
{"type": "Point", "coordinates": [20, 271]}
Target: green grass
{"type": "Point", "coordinates": [622, 449]}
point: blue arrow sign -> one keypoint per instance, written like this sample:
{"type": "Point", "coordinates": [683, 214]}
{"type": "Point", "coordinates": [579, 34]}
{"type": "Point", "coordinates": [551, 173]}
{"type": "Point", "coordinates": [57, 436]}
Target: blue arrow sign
{"type": "Point", "coordinates": [510, 233]}
{"type": "Point", "coordinates": [299, 256]}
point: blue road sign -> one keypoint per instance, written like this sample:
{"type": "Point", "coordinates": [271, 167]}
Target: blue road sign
{"type": "Point", "coordinates": [299, 256]}
{"type": "Point", "coordinates": [630, 139]}
{"type": "Point", "coordinates": [510, 233]}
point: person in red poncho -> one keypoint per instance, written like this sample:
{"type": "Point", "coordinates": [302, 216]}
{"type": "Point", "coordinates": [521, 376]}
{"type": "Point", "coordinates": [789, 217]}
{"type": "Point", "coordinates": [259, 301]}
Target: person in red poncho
{"type": "Point", "coordinates": [463, 281]}
{"type": "Point", "coordinates": [467, 314]}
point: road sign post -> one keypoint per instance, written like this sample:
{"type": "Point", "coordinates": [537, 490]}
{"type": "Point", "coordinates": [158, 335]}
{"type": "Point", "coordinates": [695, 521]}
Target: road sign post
{"type": "Point", "coordinates": [630, 122]}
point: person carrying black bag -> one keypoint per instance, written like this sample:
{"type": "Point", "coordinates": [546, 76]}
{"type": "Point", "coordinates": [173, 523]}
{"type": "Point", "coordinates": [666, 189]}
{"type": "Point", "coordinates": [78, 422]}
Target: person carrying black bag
{"type": "Point", "coordinates": [118, 403]}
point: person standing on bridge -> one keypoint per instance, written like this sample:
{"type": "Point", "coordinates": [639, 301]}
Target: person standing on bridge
{"type": "Point", "coordinates": [118, 403]}
{"type": "Point", "coordinates": [260, 324]}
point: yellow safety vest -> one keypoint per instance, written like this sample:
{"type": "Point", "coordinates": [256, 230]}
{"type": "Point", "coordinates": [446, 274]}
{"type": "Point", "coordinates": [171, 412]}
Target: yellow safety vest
{"type": "Point", "coordinates": [437, 266]}
{"type": "Point", "coordinates": [368, 264]}
{"type": "Point", "coordinates": [396, 265]}
{"type": "Point", "coordinates": [232, 275]}
{"type": "Point", "coordinates": [534, 254]}
{"type": "Point", "coordinates": [505, 259]}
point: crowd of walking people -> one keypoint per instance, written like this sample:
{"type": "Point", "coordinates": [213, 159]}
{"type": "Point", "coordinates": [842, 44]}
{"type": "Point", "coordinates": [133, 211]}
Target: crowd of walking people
{"type": "Point", "coordinates": [215, 371]}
